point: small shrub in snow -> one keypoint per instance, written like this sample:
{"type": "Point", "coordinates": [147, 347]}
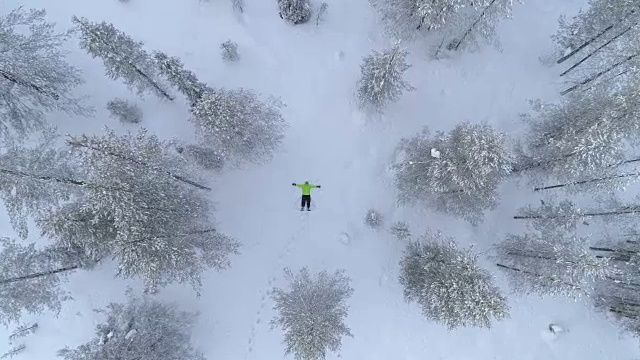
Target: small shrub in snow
{"type": "Point", "coordinates": [124, 111]}
{"type": "Point", "coordinates": [373, 218]}
{"type": "Point", "coordinates": [449, 285]}
{"type": "Point", "coordinates": [295, 11]}
{"type": "Point", "coordinates": [400, 230]}
{"type": "Point", "coordinates": [141, 329]}
{"type": "Point", "coordinates": [229, 51]}
{"type": "Point", "coordinates": [312, 312]}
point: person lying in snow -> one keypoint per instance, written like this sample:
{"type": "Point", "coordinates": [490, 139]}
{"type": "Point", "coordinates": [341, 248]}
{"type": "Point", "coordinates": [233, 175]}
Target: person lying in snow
{"type": "Point", "coordinates": [306, 194]}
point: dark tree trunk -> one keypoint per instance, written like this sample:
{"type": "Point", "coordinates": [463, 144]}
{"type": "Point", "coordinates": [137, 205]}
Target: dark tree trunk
{"type": "Point", "coordinates": [14, 79]}
{"type": "Point", "coordinates": [39, 274]}
{"type": "Point", "coordinates": [85, 144]}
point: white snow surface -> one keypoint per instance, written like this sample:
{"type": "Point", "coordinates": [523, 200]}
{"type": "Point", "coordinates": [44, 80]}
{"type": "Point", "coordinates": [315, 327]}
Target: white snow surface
{"type": "Point", "coordinates": [314, 70]}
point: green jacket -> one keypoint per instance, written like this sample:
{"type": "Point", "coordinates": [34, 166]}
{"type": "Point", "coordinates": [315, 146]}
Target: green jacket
{"type": "Point", "coordinates": [306, 188]}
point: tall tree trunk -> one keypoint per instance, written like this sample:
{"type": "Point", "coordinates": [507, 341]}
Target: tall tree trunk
{"type": "Point", "coordinates": [43, 177]}
{"type": "Point", "coordinates": [585, 44]}
{"type": "Point", "coordinates": [534, 274]}
{"type": "Point", "coordinates": [597, 75]}
{"type": "Point", "coordinates": [39, 274]}
{"type": "Point", "coordinates": [621, 176]}
{"type": "Point", "coordinates": [16, 80]}
{"type": "Point", "coordinates": [466, 33]}
{"type": "Point", "coordinates": [593, 214]}
{"type": "Point", "coordinates": [598, 49]}
{"type": "Point", "coordinates": [84, 143]}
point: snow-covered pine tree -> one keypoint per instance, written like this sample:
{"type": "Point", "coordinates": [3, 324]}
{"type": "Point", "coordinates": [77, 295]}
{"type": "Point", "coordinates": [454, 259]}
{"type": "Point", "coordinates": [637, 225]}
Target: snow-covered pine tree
{"type": "Point", "coordinates": [135, 201]}
{"type": "Point", "coordinates": [33, 180]}
{"type": "Point", "coordinates": [295, 11]}
{"type": "Point", "coordinates": [124, 111]}
{"type": "Point", "coordinates": [29, 281]}
{"type": "Point", "coordinates": [400, 230]}
{"type": "Point", "coordinates": [144, 208]}
{"type": "Point", "coordinates": [184, 80]}
{"type": "Point", "coordinates": [123, 57]}
{"type": "Point", "coordinates": [406, 18]}
{"type": "Point", "coordinates": [599, 43]}
{"type": "Point", "coordinates": [229, 51]}
{"type": "Point", "coordinates": [448, 284]}
{"type": "Point", "coordinates": [584, 137]}
{"type": "Point", "coordinates": [35, 77]}
{"type": "Point", "coordinates": [476, 24]}
{"type": "Point", "coordinates": [550, 260]}
{"type": "Point", "coordinates": [374, 219]}
{"type": "Point", "coordinates": [204, 157]}
{"type": "Point", "coordinates": [455, 173]}
{"type": "Point", "coordinates": [312, 312]}
{"type": "Point", "coordinates": [238, 125]}
{"type": "Point", "coordinates": [140, 329]}
{"type": "Point", "coordinates": [618, 293]}
{"type": "Point", "coordinates": [381, 78]}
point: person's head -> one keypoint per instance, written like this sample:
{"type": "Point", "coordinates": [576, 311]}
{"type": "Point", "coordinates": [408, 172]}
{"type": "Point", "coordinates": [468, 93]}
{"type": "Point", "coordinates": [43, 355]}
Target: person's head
{"type": "Point", "coordinates": [306, 183]}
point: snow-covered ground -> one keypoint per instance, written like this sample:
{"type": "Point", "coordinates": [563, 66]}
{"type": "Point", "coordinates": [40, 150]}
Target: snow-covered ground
{"type": "Point", "coordinates": [314, 71]}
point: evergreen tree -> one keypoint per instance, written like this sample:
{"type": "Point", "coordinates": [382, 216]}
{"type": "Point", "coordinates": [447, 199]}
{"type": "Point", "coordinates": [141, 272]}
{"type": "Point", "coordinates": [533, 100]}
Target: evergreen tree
{"type": "Point", "coordinates": [134, 204]}
{"type": "Point", "coordinates": [229, 51]}
{"type": "Point", "coordinates": [204, 157]}
{"type": "Point", "coordinates": [599, 44]}
{"type": "Point", "coordinates": [456, 173]}
{"type": "Point", "coordinates": [123, 57]}
{"type": "Point", "coordinates": [404, 18]}
{"type": "Point", "coordinates": [34, 180]}
{"type": "Point", "coordinates": [238, 125]}
{"type": "Point", "coordinates": [477, 23]}
{"type": "Point", "coordinates": [141, 329]}
{"type": "Point", "coordinates": [584, 137]}
{"type": "Point", "coordinates": [184, 80]}
{"type": "Point", "coordinates": [295, 11]}
{"type": "Point", "coordinates": [550, 261]}
{"type": "Point", "coordinates": [449, 285]}
{"type": "Point", "coordinates": [124, 111]}
{"type": "Point", "coordinates": [35, 77]}
{"type": "Point", "coordinates": [381, 80]}
{"type": "Point", "coordinates": [27, 282]}
{"type": "Point", "coordinates": [311, 313]}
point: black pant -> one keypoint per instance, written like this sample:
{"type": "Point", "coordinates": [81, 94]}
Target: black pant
{"type": "Point", "coordinates": [306, 199]}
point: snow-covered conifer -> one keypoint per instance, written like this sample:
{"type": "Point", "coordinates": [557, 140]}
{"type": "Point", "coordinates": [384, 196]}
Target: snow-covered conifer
{"type": "Point", "coordinates": [229, 51]}
{"type": "Point", "coordinates": [29, 281]}
{"type": "Point", "coordinates": [35, 77]}
{"type": "Point", "coordinates": [382, 78]}
{"type": "Point", "coordinates": [456, 173]}
{"type": "Point", "coordinates": [582, 138]}
{"type": "Point", "coordinates": [404, 18]}
{"type": "Point", "coordinates": [238, 125]}
{"type": "Point", "coordinates": [141, 329]}
{"type": "Point", "coordinates": [400, 230]}
{"type": "Point", "coordinates": [295, 11]}
{"type": "Point", "coordinates": [33, 180]}
{"type": "Point", "coordinates": [123, 57]}
{"type": "Point", "coordinates": [374, 218]}
{"type": "Point", "coordinates": [203, 156]}
{"type": "Point", "coordinates": [599, 44]}
{"type": "Point", "coordinates": [478, 23]}
{"type": "Point", "coordinates": [550, 260]}
{"type": "Point", "coordinates": [184, 80]}
{"type": "Point", "coordinates": [448, 284]}
{"type": "Point", "coordinates": [312, 312]}
{"type": "Point", "coordinates": [124, 111]}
